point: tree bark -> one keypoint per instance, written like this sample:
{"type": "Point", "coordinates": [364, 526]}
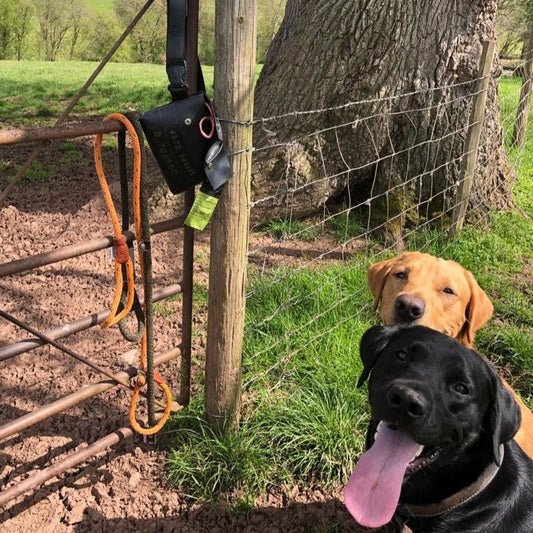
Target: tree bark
{"type": "Point", "coordinates": [328, 53]}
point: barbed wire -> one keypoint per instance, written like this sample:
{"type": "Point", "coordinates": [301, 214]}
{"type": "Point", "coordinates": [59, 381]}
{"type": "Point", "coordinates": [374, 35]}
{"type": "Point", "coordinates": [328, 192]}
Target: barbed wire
{"type": "Point", "coordinates": [347, 105]}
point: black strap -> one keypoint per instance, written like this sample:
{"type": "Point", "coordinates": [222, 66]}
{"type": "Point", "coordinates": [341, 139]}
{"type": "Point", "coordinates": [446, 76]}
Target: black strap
{"type": "Point", "coordinates": [177, 50]}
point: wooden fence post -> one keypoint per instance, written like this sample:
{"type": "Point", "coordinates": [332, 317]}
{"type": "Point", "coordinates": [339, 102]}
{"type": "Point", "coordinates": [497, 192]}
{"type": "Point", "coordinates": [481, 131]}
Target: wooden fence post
{"type": "Point", "coordinates": [235, 38]}
{"type": "Point", "coordinates": [472, 138]}
{"type": "Point", "coordinates": [522, 112]}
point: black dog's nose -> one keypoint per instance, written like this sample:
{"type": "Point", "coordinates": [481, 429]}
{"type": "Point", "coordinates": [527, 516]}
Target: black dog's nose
{"type": "Point", "coordinates": [407, 401]}
{"type": "Point", "coordinates": [409, 307]}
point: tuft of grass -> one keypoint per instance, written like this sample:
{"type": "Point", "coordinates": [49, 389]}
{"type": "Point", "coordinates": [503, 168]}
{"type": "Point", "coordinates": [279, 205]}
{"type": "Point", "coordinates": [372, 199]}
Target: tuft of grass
{"type": "Point", "coordinates": [303, 418]}
{"type": "Point", "coordinates": [290, 229]}
{"type": "Point", "coordinates": [163, 310]}
{"type": "Point", "coordinates": [317, 433]}
{"type": "Point", "coordinates": [208, 464]}
{"type": "Point", "coordinates": [346, 224]}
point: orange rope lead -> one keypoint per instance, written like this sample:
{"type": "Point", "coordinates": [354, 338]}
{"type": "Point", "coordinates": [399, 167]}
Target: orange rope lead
{"type": "Point", "coordinates": [122, 256]}
{"type": "Point", "coordinates": [119, 239]}
{"type": "Point", "coordinates": [141, 381]}
{"type": "Point", "coordinates": [133, 407]}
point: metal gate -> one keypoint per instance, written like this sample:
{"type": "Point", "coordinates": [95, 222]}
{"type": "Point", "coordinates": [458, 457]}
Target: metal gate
{"type": "Point", "coordinates": [53, 336]}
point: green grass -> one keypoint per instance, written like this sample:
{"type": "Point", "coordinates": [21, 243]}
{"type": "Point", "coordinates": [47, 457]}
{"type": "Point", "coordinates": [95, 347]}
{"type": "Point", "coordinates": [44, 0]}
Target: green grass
{"type": "Point", "coordinates": [38, 91]}
{"type": "Point", "coordinates": [303, 419]}
{"type": "Point", "coordinates": [70, 156]}
{"type": "Point", "coordinates": [509, 89]}
{"type": "Point", "coordinates": [292, 229]}
{"type": "Point", "coordinates": [103, 7]}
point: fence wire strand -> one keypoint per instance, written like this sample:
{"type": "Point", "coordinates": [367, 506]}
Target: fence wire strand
{"type": "Point", "coordinates": [290, 250]}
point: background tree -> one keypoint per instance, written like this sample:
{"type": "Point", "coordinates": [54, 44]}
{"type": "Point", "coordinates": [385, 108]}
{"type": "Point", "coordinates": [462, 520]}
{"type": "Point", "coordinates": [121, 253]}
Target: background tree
{"type": "Point", "coordinates": [79, 19]}
{"type": "Point", "coordinates": [330, 52]}
{"type": "Point", "coordinates": [98, 43]}
{"type": "Point", "coordinates": [8, 10]}
{"type": "Point", "coordinates": [54, 21]}
{"type": "Point", "coordinates": [147, 40]}
{"type": "Point", "coordinates": [512, 27]}
{"type": "Point", "coordinates": [22, 26]}
{"type": "Point", "coordinates": [269, 17]}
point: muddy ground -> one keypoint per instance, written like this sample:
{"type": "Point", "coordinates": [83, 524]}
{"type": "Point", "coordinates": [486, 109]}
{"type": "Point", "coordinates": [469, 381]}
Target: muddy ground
{"type": "Point", "coordinates": [124, 489]}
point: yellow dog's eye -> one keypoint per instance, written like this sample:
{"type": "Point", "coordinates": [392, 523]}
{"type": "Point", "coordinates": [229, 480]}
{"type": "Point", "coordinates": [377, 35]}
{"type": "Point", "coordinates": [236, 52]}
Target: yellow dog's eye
{"type": "Point", "coordinates": [400, 275]}
{"type": "Point", "coordinates": [448, 290]}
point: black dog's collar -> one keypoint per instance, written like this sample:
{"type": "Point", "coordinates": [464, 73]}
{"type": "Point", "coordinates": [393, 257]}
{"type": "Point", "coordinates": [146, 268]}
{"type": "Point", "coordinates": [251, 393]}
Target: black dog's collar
{"type": "Point", "coordinates": [455, 500]}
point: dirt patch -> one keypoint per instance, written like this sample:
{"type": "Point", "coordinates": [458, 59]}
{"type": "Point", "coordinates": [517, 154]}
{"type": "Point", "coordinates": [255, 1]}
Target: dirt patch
{"type": "Point", "coordinates": [123, 489]}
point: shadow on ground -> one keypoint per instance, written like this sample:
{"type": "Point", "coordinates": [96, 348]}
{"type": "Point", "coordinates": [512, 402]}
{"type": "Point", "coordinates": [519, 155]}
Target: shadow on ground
{"type": "Point", "coordinates": [330, 516]}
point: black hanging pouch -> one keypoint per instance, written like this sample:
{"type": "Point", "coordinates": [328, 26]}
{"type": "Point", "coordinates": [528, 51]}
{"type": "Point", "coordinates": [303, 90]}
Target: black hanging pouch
{"type": "Point", "coordinates": [185, 136]}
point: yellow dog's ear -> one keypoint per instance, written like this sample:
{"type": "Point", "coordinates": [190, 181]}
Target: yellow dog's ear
{"type": "Point", "coordinates": [377, 275]}
{"type": "Point", "coordinates": [478, 311]}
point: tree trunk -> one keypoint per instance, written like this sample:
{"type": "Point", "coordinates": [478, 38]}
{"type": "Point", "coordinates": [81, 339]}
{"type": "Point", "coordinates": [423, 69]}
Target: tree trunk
{"type": "Point", "coordinates": [399, 154]}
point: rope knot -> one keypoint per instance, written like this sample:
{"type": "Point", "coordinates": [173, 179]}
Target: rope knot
{"type": "Point", "coordinates": [158, 378]}
{"type": "Point", "coordinates": [121, 249]}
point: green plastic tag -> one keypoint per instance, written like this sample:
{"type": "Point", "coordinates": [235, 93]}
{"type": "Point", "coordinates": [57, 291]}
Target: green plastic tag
{"type": "Point", "coordinates": [201, 211]}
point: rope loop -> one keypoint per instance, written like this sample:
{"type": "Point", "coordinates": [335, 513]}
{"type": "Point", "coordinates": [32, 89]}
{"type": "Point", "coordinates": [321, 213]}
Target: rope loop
{"type": "Point", "coordinates": [121, 251]}
{"type": "Point", "coordinates": [122, 257]}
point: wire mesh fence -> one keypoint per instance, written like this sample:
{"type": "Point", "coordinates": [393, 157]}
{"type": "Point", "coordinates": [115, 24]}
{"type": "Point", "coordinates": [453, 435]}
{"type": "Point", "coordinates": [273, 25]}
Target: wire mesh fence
{"type": "Point", "coordinates": [342, 237]}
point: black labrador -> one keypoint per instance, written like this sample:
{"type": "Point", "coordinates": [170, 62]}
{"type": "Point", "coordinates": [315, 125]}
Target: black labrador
{"type": "Point", "coordinates": [440, 455]}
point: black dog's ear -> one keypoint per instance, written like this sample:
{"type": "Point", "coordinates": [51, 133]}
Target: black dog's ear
{"type": "Point", "coordinates": [372, 343]}
{"type": "Point", "coordinates": [503, 417]}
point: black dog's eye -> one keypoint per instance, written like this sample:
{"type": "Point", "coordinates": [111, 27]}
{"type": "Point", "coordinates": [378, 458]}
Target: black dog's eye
{"type": "Point", "coordinates": [461, 388]}
{"type": "Point", "coordinates": [400, 275]}
{"type": "Point", "coordinates": [401, 355]}
{"type": "Point", "coordinates": [448, 290]}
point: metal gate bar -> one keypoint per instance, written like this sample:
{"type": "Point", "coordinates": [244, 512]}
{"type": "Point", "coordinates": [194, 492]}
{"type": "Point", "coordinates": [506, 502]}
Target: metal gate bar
{"type": "Point", "coordinates": [61, 466]}
{"type": "Point", "coordinates": [82, 324]}
{"type": "Point", "coordinates": [65, 131]}
{"type": "Point", "coordinates": [75, 250]}
{"type": "Point", "coordinates": [46, 411]}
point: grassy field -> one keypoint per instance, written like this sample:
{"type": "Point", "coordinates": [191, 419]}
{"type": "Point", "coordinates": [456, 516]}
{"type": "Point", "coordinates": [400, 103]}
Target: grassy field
{"type": "Point", "coordinates": [37, 91]}
{"type": "Point", "coordinates": [309, 425]}
{"type": "Point", "coordinates": [521, 158]}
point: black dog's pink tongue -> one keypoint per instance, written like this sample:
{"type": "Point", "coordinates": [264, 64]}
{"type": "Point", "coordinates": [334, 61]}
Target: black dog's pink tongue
{"type": "Point", "coordinates": [373, 491]}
